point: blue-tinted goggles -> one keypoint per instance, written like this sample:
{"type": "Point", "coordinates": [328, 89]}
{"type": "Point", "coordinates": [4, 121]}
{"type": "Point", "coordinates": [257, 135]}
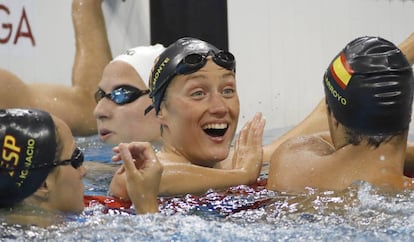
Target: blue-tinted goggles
{"type": "Point", "coordinates": [121, 95]}
{"type": "Point", "coordinates": [194, 62]}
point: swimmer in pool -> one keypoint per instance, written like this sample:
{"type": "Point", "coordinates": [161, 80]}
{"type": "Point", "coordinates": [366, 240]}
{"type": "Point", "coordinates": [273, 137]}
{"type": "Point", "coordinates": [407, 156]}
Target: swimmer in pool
{"type": "Point", "coordinates": [92, 54]}
{"type": "Point", "coordinates": [120, 117]}
{"type": "Point", "coordinates": [369, 93]}
{"type": "Point", "coordinates": [194, 95]}
{"type": "Point", "coordinates": [316, 121]}
{"type": "Point", "coordinates": [41, 169]}
{"type": "Point", "coordinates": [122, 96]}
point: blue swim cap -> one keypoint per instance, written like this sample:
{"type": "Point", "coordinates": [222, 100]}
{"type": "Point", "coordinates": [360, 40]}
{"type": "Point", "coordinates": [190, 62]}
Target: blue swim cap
{"type": "Point", "coordinates": [369, 87]}
{"type": "Point", "coordinates": [184, 56]}
{"type": "Point", "coordinates": [28, 144]}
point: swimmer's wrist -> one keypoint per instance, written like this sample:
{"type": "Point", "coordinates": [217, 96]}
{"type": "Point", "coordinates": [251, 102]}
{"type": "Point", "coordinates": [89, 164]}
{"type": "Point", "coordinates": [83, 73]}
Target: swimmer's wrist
{"type": "Point", "coordinates": [146, 206]}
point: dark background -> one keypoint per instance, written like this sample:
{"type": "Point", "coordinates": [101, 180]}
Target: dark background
{"type": "Point", "coordinates": [203, 19]}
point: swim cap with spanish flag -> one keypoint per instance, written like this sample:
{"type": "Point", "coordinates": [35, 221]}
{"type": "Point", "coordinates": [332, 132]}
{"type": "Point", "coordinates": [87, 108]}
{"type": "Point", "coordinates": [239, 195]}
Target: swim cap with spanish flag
{"type": "Point", "coordinates": [28, 145]}
{"type": "Point", "coordinates": [369, 87]}
{"type": "Point", "coordinates": [184, 56]}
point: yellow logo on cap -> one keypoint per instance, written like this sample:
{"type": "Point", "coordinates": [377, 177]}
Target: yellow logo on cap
{"type": "Point", "coordinates": [158, 72]}
{"type": "Point", "coordinates": [10, 153]}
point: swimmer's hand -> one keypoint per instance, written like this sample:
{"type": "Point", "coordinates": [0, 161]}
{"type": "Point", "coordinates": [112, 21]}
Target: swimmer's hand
{"type": "Point", "coordinates": [143, 174]}
{"type": "Point", "coordinates": [248, 152]}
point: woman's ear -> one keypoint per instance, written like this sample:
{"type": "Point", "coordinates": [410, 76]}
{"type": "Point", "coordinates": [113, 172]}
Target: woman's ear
{"type": "Point", "coordinates": [42, 193]}
{"type": "Point", "coordinates": [48, 185]}
{"type": "Point", "coordinates": [161, 116]}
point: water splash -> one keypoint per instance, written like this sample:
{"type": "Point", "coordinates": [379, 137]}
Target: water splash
{"type": "Point", "coordinates": [241, 213]}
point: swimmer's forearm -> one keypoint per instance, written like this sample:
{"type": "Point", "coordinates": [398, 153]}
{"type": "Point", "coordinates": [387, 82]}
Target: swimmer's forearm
{"type": "Point", "coordinates": [92, 46]}
{"type": "Point", "coordinates": [178, 179]}
{"type": "Point", "coordinates": [117, 187]}
{"type": "Point", "coordinates": [181, 179]}
{"type": "Point", "coordinates": [142, 203]}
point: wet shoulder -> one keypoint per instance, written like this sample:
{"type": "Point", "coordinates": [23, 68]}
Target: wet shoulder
{"type": "Point", "coordinates": [310, 144]}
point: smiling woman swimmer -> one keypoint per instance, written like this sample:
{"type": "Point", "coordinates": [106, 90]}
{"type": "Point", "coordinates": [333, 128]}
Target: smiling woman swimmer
{"type": "Point", "coordinates": [41, 169]}
{"type": "Point", "coordinates": [194, 95]}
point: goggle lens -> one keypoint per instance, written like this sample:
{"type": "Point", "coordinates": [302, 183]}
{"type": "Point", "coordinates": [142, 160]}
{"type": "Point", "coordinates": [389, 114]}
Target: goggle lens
{"type": "Point", "coordinates": [193, 62]}
{"type": "Point", "coordinates": [121, 95]}
{"type": "Point", "coordinates": [76, 160]}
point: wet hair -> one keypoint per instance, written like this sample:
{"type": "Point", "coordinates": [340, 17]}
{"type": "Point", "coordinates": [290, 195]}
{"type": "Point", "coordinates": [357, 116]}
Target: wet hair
{"type": "Point", "coordinates": [369, 88]}
{"type": "Point", "coordinates": [355, 137]}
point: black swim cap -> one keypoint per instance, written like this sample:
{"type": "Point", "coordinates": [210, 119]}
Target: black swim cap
{"type": "Point", "coordinates": [27, 141]}
{"type": "Point", "coordinates": [369, 87]}
{"type": "Point", "coordinates": [165, 67]}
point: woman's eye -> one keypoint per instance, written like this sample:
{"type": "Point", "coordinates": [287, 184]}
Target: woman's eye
{"type": "Point", "coordinates": [197, 93]}
{"type": "Point", "coordinates": [228, 92]}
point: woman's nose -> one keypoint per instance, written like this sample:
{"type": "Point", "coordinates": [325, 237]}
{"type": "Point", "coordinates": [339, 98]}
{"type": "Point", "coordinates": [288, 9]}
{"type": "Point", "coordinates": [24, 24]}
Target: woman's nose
{"type": "Point", "coordinates": [218, 104]}
{"type": "Point", "coordinates": [101, 110]}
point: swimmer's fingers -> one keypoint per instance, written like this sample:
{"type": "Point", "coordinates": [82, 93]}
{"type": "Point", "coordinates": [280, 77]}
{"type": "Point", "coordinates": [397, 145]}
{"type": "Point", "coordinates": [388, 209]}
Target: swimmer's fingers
{"type": "Point", "coordinates": [125, 155]}
{"type": "Point", "coordinates": [150, 165]}
{"type": "Point", "coordinates": [242, 139]}
{"type": "Point", "coordinates": [255, 135]}
{"type": "Point", "coordinates": [239, 146]}
{"type": "Point", "coordinates": [142, 177]}
{"type": "Point", "coordinates": [120, 170]}
{"type": "Point", "coordinates": [252, 132]}
{"type": "Point", "coordinates": [116, 157]}
{"type": "Point", "coordinates": [142, 152]}
{"type": "Point", "coordinates": [235, 155]}
{"type": "Point", "coordinates": [249, 152]}
{"type": "Point", "coordinates": [255, 138]}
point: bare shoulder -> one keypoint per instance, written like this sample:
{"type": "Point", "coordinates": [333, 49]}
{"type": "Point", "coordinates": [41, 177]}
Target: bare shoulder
{"type": "Point", "coordinates": [297, 151]}
{"type": "Point", "coordinates": [316, 144]}
{"type": "Point", "coordinates": [291, 162]}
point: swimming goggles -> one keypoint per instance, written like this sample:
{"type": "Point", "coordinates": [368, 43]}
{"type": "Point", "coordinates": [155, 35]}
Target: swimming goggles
{"type": "Point", "coordinates": [194, 62]}
{"type": "Point", "coordinates": [76, 161]}
{"type": "Point", "coordinates": [121, 95]}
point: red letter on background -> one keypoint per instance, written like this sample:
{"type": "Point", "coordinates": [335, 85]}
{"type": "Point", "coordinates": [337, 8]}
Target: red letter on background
{"type": "Point", "coordinates": [19, 33]}
{"type": "Point", "coordinates": [6, 26]}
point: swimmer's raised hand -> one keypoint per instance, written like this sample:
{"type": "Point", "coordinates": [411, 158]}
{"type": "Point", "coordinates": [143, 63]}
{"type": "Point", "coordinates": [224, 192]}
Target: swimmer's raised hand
{"type": "Point", "coordinates": [143, 174]}
{"type": "Point", "coordinates": [248, 152]}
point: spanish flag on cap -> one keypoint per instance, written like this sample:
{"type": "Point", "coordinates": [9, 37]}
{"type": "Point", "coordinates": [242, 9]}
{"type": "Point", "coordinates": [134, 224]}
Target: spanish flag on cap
{"type": "Point", "coordinates": [341, 71]}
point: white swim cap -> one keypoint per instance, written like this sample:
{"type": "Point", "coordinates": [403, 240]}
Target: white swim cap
{"type": "Point", "coordinates": [141, 58]}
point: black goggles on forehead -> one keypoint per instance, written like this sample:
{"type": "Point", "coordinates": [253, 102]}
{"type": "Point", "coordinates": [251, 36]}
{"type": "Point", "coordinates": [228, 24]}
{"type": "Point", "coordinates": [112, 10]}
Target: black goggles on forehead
{"type": "Point", "coordinates": [121, 95]}
{"type": "Point", "coordinates": [194, 62]}
{"type": "Point", "coordinates": [76, 161]}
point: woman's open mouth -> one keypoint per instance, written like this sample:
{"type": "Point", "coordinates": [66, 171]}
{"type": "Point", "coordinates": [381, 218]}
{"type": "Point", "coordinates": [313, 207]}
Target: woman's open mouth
{"type": "Point", "coordinates": [215, 130]}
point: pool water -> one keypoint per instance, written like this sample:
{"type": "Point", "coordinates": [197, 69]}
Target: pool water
{"type": "Point", "coordinates": [241, 213]}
